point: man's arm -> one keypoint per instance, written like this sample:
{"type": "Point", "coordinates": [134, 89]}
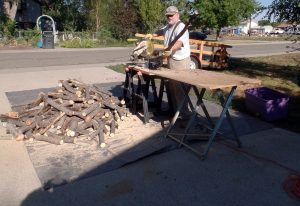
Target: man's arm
{"type": "Point", "coordinates": [178, 44]}
{"type": "Point", "coordinates": [159, 33]}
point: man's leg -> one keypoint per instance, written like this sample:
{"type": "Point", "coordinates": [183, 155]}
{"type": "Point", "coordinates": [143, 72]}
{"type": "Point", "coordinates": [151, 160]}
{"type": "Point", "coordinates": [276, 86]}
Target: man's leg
{"type": "Point", "coordinates": [177, 93]}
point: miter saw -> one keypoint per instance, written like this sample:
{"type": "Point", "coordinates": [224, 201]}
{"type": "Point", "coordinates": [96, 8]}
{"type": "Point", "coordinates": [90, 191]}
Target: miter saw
{"type": "Point", "coordinates": [145, 54]}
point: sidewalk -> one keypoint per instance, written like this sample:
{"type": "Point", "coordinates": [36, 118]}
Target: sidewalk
{"type": "Point", "coordinates": [228, 176]}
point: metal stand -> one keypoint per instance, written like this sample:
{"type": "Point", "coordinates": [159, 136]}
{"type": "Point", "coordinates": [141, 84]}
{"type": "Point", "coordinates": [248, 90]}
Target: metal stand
{"type": "Point", "coordinates": [225, 102]}
{"type": "Point", "coordinates": [134, 93]}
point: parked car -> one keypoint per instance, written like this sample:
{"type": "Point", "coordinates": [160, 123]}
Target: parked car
{"type": "Point", "coordinates": [277, 31]}
{"type": "Point", "coordinates": [197, 35]}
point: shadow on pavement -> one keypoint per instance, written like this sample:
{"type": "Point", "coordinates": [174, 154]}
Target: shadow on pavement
{"type": "Point", "coordinates": [164, 175]}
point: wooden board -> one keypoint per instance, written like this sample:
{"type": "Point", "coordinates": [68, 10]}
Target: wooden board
{"type": "Point", "coordinates": [192, 41]}
{"type": "Point", "coordinates": [201, 78]}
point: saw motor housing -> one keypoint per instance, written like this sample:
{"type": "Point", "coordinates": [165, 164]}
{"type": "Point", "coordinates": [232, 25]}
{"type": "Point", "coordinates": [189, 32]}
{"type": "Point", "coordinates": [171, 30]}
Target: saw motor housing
{"type": "Point", "coordinates": [145, 55]}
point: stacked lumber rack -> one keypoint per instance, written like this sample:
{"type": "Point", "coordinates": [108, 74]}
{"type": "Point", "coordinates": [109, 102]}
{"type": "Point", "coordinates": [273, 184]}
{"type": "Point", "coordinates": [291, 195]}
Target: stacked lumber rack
{"type": "Point", "coordinates": [73, 112]}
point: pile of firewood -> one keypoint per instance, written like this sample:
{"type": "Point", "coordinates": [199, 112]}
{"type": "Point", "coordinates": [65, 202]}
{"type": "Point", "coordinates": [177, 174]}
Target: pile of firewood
{"type": "Point", "coordinates": [72, 111]}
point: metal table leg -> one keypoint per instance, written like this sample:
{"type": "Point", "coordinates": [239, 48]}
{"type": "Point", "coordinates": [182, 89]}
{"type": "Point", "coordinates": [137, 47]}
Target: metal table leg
{"type": "Point", "coordinates": [219, 121]}
{"type": "Point", "coordinates": [228, 116]}
{"type": "Point", "coordinates": [225, 104]}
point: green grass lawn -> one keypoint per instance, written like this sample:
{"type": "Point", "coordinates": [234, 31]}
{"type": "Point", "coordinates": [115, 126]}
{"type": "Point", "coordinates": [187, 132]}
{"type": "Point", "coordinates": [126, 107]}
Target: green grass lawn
{"type": "Point", "coordinates": [279, 72]}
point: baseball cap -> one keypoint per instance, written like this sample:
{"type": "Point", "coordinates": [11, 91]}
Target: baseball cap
{"type": "Point", "coordinates": [171, 10]}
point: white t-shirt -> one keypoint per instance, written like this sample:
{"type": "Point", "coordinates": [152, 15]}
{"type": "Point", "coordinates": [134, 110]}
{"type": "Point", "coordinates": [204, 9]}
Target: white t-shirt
{"type": "Point", "coordinates": [184, 51]}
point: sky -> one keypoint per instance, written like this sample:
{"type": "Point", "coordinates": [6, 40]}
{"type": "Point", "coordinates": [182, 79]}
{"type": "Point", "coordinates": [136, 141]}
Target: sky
{"type": "Point", "coordinates": [264, 3]}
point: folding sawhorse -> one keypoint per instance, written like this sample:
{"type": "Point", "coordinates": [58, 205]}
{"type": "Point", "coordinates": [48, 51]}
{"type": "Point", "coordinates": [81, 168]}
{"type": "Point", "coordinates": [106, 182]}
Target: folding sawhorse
{"type": "Point", "coordinates": [133, 93]}
{"type": "Point", "coordinates": [225, 102]}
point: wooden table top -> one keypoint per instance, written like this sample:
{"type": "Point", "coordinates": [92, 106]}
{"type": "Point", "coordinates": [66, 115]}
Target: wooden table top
{"type": "Point", "coordinates": [201, 78]}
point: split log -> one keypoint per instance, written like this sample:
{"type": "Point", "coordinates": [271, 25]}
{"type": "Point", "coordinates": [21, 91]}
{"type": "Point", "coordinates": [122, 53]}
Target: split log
{"type": "Point", "coordinates": [94, 134]}
{"type": "Point", "coordinates": [52, 140]}
{"type": "Point", "coordinates": [62, 108]}
{"type": "Point", "coordinates": [92, 114]}
{"type": "Point", "coordinates": [53, 122]}
{"type": "Point", "coordinates": [67, 103]}
{"type": "Point", "coordinates": [87, 93]}
{"type": "Point", "coordinates": [88, 110]}
{"type": "Point", "coordinates": [120, 110]}
{"type": "Point", "coordinates": [60, 123]}
{"type": "Point", "coordinates": [26, 128]}
{"type": "Point", "coordinates": [15, 132]}
{"type": "Point", "coordinates": [106, 129]}
{"type": "Point", "coordinates": [72, 130]}
{"type": "Point", "coordinates": [64, 138]}
{"type": "Point", "coordinates": [112, 128]}
{"type": "Point", "coordinates": [70, 139]}
{"type": "Point", "coordinates": [43, 123]}
{"type": "Point", "coordinates": [70, 133]}
{"type": "Point", "coordinates": [29, 121]}
{"type": "Point", "coordinates": [116, 117]}
{"type": "Point", "coordinates": [68, 87]}
{"type": "Point", "coordinates": [31, 112]}
{"type": "Point", "coordinates": [79, 106]}
{"type": "Point", "coordinates": [101, 134]}
{"type": "Point", "coordinates": [16, 122]}
{"type": "Point", "coordinates": [9, 115]}
{"type": "Point", "coordinates": [101, 138]}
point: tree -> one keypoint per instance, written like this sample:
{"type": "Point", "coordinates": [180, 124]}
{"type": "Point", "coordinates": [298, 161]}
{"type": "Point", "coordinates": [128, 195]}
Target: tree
{"type": "Point", "coordinates": [7, 26]}
{"type": "Point", "coordinates": [123, 19]}
{"type": "Point", "coordinates": [151, 14]}
{"type": "Point", "coordinates": [97, 14]}
{"type": "Point", "coordinates": [282, 10]}
{"type": "Point", "coordinates": [68, 14]}
{"type": "Point", "coordinates": [222, 13]}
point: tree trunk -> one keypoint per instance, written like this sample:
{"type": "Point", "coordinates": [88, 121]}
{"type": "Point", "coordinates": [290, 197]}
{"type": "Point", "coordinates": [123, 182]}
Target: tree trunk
{"type": "Point", "coordinates": [249, 31]}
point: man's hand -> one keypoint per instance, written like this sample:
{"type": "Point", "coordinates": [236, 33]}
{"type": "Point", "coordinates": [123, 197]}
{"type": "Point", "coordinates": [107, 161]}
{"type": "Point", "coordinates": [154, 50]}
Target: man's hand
{"type": "Point", "coordinates": [148, 36]}
{"type": "Point", "coordinates": [167, 53]}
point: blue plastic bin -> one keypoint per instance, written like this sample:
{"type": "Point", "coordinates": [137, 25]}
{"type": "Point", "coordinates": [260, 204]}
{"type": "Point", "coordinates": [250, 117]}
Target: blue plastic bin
{"type": "Point", "coordinates": [271, 105]}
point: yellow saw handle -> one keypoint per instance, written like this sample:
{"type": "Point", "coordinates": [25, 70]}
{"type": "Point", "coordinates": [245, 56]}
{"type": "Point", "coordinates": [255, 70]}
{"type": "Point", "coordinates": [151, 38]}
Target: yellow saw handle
{"type": "Point", "coordinates": [132, 40]}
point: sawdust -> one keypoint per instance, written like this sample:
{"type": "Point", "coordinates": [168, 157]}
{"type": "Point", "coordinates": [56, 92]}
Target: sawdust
{"type": "Point", "coordinates": [58, 164]}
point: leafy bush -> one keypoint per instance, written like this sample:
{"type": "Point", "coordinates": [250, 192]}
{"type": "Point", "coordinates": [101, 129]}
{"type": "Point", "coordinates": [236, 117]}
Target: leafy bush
{"type": "Point", "coordinates": [7, 26]}
{"type": "Point", "coordinates": [31, 36]}
{"type": "Point", "coordinates": [78, 43]}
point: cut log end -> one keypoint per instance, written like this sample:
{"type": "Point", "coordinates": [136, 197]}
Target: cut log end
{"type": "Point", "coordinates": [20, 137]}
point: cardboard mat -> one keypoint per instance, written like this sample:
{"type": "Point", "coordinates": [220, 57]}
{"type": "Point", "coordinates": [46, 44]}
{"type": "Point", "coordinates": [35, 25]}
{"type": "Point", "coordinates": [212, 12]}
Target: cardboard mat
{"type": "Point", "coordinates": [56, 165]}
{"type": "Point", "coordinates": [60, 164]}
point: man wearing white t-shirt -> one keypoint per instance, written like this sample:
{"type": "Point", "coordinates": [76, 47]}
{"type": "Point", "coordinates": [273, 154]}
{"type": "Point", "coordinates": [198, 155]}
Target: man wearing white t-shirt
{"type": "Point", "coordinates": [178, 55]}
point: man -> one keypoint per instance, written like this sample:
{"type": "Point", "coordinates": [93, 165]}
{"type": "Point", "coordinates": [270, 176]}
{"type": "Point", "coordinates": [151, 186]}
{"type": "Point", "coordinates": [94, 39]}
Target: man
{"type": "Point", "coordinates": [178, 55]}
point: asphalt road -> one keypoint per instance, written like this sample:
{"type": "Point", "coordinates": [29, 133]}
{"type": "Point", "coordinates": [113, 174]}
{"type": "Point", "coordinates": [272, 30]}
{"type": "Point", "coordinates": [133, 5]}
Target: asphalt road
{"type": "Point", "coordinates": [17, 59]}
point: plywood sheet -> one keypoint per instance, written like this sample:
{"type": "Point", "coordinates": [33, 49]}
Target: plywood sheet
{"type": "Point", "coordinates": [201, 78]}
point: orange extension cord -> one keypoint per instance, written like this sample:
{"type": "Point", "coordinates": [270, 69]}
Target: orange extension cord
{"type": "Point", "coordinates": [291, 184]}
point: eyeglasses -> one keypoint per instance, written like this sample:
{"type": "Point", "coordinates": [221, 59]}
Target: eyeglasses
{"type": "Point", "coordinates": [170, 15]}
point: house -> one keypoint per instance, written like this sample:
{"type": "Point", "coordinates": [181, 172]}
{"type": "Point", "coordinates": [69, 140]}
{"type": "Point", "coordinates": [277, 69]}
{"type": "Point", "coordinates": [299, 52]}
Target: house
{"type": "Point", "coordinates": [246, 25]}
{"type": "Point", "coordinates": [267, 29]}
{"type": "Point", "coordinates": [24, 12]}
{"type": "Point", "coordinates": [284, 26]}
